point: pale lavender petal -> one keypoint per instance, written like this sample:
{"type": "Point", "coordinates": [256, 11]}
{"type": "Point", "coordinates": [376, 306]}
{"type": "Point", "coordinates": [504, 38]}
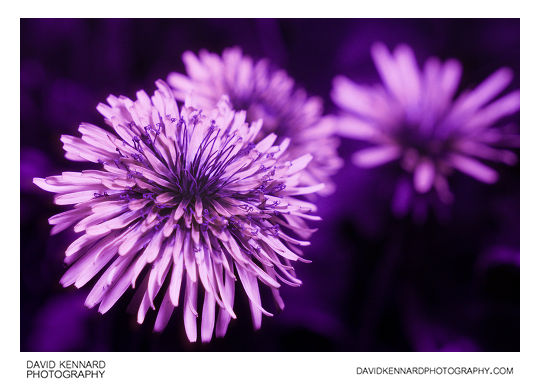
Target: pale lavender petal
{"type": "Point", "coordinates": [376, 156]}
{"type": "Point", "coordinates": [473, 168]}
{"type": "Point", "coordinates": [410, 74]}
{"type": "Point", "coordinates": [107, 280]}
{"type": "Point", "coordinates": [224, 316]}
{"type": "Point", "coordinates": [208, 317]}
{"type": "Point", "coordinates": [190, 317]}
{"type": "Point", "coordinates": [182, 85]}
{"type": "Point", "coordinates": [450, 76]}
{"type": "Point", "coordinates": [355, 98]}
{"type": "Point", "coordinates": [353, 128]}
{"type": "Point", "coordinates": [117, 290]}
{"type": "Point", "coordinates": [486, 91]}
{"type": "Point", "coordinates": [388, 70]}
{"type": "Point", "coordinates": [502, 107]}
{"type": "Point", "coordinates": [164, 314]}
{"type": "Point", "coordinates": [481, 150]}
{"type": "Point", "coordinates": [252, 290]}
{"type": "Point", "coordinates": [424, 175]}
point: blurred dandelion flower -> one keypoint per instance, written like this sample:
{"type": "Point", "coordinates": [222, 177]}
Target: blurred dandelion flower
{"type": "Point", "coordinates": [265, 94]}
{"type": "Point", "coordinates": [187, 196]}
{"type": "Point", "coordinates": [414, 117]}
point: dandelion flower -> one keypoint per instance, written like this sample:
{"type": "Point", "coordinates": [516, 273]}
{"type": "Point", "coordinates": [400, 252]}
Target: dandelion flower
{"type": "Point", "coordinates": [415, 118]}
{"type": "Point", "coordinates": [265, 94]}
{"type": "Point", "coordinates": [182, 198]}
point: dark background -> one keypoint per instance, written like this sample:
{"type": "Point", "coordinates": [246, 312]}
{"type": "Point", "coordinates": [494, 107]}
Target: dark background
{"type": "Point", "coordinates": [376, 283]}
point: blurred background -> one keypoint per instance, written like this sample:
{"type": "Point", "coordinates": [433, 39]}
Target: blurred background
{"type": "Point", "coordinates": [376, 283]}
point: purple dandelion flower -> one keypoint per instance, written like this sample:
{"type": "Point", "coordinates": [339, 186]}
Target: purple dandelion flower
{"type": "Point", "coordinates": [414, 117]}
{"type": "Point", "coordinates": [265, 94]}
{"type": "Point", "coordinates": [182, 197]}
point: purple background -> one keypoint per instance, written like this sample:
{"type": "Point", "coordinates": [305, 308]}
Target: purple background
{"type": "Point", "coordinates": [376, 283]}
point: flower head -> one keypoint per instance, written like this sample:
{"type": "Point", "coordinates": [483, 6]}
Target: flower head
{"type": "Point", "coordinates": [414, 117]}
{"type": "Point", "coordinates": [181, 198]}
{"type": "Point", "coordinates": [264, 94]}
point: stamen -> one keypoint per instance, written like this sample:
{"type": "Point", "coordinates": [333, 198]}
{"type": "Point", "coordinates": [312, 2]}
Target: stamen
{"type": "Point", "coordinates": [148, 196]}
{"type": "Point", "coordinates": [279, 187]}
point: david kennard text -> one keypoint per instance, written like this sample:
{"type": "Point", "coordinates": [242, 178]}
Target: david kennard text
{"type": "Point", "coordinates": [65, 369]}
